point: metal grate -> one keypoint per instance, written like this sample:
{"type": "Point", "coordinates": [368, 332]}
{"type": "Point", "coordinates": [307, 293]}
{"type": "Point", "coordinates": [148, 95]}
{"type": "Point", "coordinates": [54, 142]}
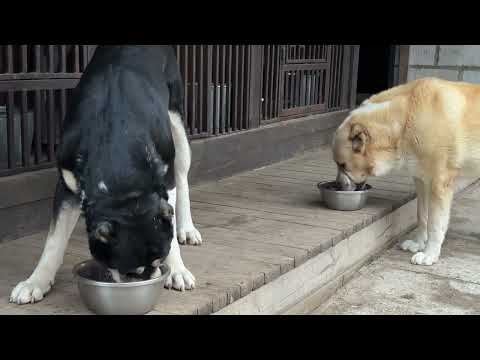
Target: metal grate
{"type": "Point", "coordinates": [304, 79]}
{"type": "Point", "coordinates": [216, 78]}
{"type": "Point", "coordinates": [306, 53]}
{"type": "Point", "coordinates": [336, 78]}
{"type": "Point", "coordinates": [35, 87]}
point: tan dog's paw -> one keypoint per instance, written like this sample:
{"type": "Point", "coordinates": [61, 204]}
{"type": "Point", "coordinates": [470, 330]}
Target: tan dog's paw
{"type": "Point", "coordinates": [425, 259]}
{"type": "Point", "coordinates": [413, 246]}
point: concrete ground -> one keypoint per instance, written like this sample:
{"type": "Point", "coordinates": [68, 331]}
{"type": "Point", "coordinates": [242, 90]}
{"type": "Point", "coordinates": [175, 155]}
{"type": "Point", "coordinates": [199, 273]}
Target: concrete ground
{"type": "Point", "coordinates": [390, 285]}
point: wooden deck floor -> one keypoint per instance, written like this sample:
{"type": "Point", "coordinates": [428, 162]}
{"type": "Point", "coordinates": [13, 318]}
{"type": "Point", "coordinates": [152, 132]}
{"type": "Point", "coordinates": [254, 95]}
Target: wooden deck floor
{"type": "Point", "coordinates": [256, 226]}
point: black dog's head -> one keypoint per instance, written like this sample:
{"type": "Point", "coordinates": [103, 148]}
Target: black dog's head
{"type": "Point", "coordinates": [130, 232]}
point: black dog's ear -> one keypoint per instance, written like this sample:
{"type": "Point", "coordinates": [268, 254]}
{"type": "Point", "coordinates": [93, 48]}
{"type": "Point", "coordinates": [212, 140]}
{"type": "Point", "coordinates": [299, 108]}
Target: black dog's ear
{"type": "Point", "coordinates": [104, 232]}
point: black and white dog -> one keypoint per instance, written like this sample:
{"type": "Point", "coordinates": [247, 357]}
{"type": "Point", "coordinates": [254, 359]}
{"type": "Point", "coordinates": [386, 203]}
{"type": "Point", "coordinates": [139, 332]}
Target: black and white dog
{"type": "Point", "coordinates": [123, 163]}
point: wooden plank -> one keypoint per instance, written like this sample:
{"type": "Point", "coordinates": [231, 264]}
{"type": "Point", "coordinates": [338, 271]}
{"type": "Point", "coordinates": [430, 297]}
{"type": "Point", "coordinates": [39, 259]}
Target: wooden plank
{"type": "Point", "coordinates": [43, 84]}
{"type": "Point", "coordinates": [314, 177]}
{"type": "Point", "coordinates": [27, 188]}
{"type": "Point", "coordinates": [287, 256]}
{"type": "Point", "coordinates": [292, 201]}
{"type": "Point", "coordinates": [207, 214]}
{"type": "Point", "coordinates": [307, 186]}
{"type": "Point", "coordinates": [330, 167]}
{"type": "Point", "coordinates": [297, 197]}
{"type": "Point", "coordinates": [24, 219]}
{"type": "Point", "coordinates": [312, 209]}
{"type": "Point", "coordinates": [320, 173]}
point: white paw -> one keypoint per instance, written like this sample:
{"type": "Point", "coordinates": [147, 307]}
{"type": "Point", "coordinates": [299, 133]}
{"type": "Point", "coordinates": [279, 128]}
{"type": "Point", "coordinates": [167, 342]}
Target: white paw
{"type": "Point", "coordinates": [189, 235]}
{"type": "Point", "coordinates": [412, 246]}
{"type": "Point", "coordinates": [29, 292]}
{"type": "Point", "coordinates": [180, 279]}
{"type": "Point", "coordinates": [423, 258]}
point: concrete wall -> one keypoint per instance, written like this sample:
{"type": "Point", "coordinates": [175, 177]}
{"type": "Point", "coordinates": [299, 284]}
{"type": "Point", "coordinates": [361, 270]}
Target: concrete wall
{"type": "Point", "coordinates": [450, 62]}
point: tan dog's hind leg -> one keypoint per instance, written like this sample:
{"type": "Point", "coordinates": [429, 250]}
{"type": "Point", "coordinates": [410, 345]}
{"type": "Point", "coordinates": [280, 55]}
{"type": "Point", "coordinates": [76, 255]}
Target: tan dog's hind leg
{"type": "Point", "coordinates": [419, 241]}
{"type": "Point", "coordinates": [439, 205]}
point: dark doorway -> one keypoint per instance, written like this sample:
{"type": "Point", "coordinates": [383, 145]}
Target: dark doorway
{"type": "Point", "coordinates": [375, 70]}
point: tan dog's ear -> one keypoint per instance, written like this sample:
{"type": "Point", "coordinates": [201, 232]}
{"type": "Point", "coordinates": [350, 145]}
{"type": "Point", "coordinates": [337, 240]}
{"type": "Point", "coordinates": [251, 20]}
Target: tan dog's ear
{"type": "Point", "coordinates": [359, 137]}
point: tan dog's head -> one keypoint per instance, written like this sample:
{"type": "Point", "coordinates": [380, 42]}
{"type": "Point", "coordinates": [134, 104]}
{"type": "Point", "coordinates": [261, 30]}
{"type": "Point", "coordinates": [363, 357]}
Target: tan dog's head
{"type": "Point", "coordinates": [366, 144]}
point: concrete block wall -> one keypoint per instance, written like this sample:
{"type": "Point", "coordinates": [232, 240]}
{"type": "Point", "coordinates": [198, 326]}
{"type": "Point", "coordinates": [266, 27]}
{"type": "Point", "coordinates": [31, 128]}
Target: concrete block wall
{"type": "Point", "coordinates": [450, 62]}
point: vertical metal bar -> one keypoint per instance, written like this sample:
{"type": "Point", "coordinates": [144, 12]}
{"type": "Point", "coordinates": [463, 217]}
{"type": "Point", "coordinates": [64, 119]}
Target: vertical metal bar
{"type": "Point", "coordinates": [298, 85]}
{"type": "Point", "coordinates": [229, 107]}
{"type": "Point", "coordinates": [223, 118]}
{"type": "Point", "coordinates": [76, 58]}
{"type": "Point", "coordinates": [346, 74]}
{"type": "Point", "coordinates": [201, 85]}
{"type": "Point", "coordinates": [242, 87]}
{"type": "Point", "coordinates": [324, 86]}
{"type": "Point", "coordinates": [63, 58]}
{"type": "Point", "coordinates": [51, 54]}
{"type": "Point", "coordinates": [210, 109]}
{"type": "Point", "coordinates": [9, 59]}
{"type": "Point", "coordinates": [38, 127]}
{"type": "Point", "coordinates": [338, 74]}
{"type": "Point", "coordinates": [277, 79]}
{"type": "Point", "coordinates": [295, 89]}
{"type": "Point", "coordinates": [308, 88]}
{"type": "Point", "coordinates": [63, 107]}
{"type": "Point", "coordinates": [25, 127]}
{"type": "Point", "coordinates": [287, 99]}
{"type": "Point", "coordinates": [229, 82]}
{"type": "Point", "coordinates": [303, 87]}
{"type": "Point", "coordinates": [328, 74]}
{"type": "Point", "coordinates": [224, 92]}
{"type": "Point", "coordinates": [24, 50]}
{"type": "Point", "coordinates": [187, 81]}
{"type": "Point", "coordinates": [235, 87]}
{"type": "Point", "coordinates": [337, 78]}
{"type": "Point", "coordinates": [354, 76]}
{"type": "Point", "coordinates": [194, 90]}
{"type": "Point", "coordinates": [51, 126]}
{"type": "Point", "coordinates": [332, 77]}
{"type": "Point", "coordinates": [178, 53]}
{"type": "Point", "coordinates": [217, 64]}
{"type": "Point", "coordinates": [313, 76]}
{"type": "Point", "coordinates": [268, 94]}
{"type": "Point", "coordinates": [272, 82]}
{"type": "Point", "coordinates": [11, 130]}
{"type": "Point", "coordinates": [85, 57]}
{"type": "Point", "coordinates": [217, 109]}
{"type": "Point", "coordinates": [209, 87]}
{"type": "Point", "coordinates": [38, 58]}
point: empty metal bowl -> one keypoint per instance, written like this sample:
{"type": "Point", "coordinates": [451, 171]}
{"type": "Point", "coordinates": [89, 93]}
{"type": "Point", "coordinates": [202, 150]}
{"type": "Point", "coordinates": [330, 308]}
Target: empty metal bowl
{"type": "Point", "coordinates": [104, 298]}
{"type": "Point", "coordinates": [343, 200]}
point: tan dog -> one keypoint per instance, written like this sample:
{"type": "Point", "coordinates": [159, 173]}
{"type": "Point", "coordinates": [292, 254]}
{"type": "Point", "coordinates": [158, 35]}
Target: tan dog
{"type": "Point", "coordinates": [431, 127]}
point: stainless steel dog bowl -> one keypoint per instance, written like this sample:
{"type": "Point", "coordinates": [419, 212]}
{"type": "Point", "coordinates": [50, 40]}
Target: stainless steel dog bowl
{"type": "Point", "coordinates": [343, 200]}
{"type": "Point", "coordinates": [132, 298]}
